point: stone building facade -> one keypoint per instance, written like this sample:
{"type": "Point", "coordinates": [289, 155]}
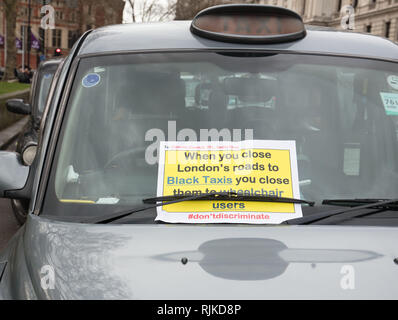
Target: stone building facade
{"type": "Point", "coordinates": [378, 17]}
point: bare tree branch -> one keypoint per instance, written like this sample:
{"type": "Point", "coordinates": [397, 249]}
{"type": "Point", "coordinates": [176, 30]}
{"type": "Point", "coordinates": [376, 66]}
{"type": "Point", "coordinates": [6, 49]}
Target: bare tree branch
{"type": "Point", "coordinates": [132, 9]}
{"type": "Point", "coordinates": [169, 12]}
{"type": "Point", "coordinates": [152, 10]}
{"type": "Point", "coordinates": [187, 9]}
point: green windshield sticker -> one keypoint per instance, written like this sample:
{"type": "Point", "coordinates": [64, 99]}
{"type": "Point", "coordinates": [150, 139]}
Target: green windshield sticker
{"type": "Point", "coordinates": [390, 102]}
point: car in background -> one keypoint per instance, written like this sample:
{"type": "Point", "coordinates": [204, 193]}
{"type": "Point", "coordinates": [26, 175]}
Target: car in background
{"type": "Point", "coordinates": [26, 144]}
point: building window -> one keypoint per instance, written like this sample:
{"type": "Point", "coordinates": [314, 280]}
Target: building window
{"type": "Point", "coordinates": [355, 3]}
{"type": "Point", "coordinates": [339, 4]}
{"type": "Point", "coordinates": [72, 38]}
{"type": "Point", "coordinates": [396, 30]}
{"type": "Point", "coordinates": [41, 35]}
{"type": "Point", "coordinates": [369, 28]}
{"type": "Point", "coordinates": [23, 11]}
{"type": "Point", "coordinates": [387, 29]}
{"type": "Point", "coordinates": [72, 3]}
{"type": "Point", "coordinates": [59, 15]}
{"type": "Point", "coordinates": [57, 37]}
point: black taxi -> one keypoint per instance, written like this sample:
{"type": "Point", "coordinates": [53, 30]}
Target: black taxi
{"type": "Point", "coordinates": [241, 155]}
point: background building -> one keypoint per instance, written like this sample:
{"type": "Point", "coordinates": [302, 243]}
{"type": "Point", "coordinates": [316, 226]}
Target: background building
{"type": "Point", "coordinates": [72, 19]}
{"type": "Point", "coordinates": [378, 17]}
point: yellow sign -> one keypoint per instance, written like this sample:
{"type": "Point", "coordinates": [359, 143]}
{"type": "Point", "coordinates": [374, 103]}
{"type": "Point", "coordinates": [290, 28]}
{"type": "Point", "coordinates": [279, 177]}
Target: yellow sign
{"type": "Point", "coordinates": [249, 168]}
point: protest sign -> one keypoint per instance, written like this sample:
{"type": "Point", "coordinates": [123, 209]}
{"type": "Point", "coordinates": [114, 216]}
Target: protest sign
{"type": "Point", "coordinates": [252, 168]}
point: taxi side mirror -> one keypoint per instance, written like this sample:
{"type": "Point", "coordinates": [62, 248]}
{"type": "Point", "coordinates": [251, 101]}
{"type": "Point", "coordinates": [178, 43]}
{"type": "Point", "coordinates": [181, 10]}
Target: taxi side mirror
{"type": "Point", "coordinates": [18, 106]}
{"type": "Point", "coordinates": [13, 174]}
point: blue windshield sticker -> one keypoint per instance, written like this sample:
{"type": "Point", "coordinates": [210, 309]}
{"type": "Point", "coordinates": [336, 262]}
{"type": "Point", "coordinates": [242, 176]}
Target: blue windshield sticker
{"type": "Point", "coordinates": [390, 102]}
{"type": "Point", "coordinates": [91, 80]}
{"type": "Point", "coordinates": [47, 76]}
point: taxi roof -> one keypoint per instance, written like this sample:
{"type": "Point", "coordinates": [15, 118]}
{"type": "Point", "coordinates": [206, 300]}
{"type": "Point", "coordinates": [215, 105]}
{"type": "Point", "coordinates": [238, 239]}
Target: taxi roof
{"type": "Point", "coordinates": [176, 35]}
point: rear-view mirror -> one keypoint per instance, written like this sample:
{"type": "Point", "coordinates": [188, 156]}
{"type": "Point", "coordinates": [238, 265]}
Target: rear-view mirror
{"type": "Point", "coordinates": [251, 89]}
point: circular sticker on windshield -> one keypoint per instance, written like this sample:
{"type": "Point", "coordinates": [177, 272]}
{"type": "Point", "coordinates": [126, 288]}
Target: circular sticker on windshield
{"type": "Point", "coordinates": [393, 81]}
{"type": "Point", "coordinates": [91, 80]}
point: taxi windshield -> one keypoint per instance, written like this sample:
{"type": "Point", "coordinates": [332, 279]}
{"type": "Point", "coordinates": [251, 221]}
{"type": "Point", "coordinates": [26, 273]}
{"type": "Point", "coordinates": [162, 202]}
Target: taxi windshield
{"type": "Point", "coordinates": [342, 113]}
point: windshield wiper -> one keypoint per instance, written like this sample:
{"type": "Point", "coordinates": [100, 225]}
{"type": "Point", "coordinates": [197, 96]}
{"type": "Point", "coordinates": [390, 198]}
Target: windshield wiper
{"type": "Point", "coordinates": [217, 196]}
{"type": "Point", "coordinates": [226, 196]}
{"type": "Point", "coordinates": [343, 214]}
{"type": "Point", "coordinates": [358, 202]}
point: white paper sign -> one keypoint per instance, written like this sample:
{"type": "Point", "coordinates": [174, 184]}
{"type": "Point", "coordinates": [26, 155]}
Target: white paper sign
{"type": "Point", "coordinates": [252, 168]}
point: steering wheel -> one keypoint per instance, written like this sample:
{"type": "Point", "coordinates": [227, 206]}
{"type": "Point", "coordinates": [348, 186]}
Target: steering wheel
{"type": "Point", "coordinates": [120, 156]}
